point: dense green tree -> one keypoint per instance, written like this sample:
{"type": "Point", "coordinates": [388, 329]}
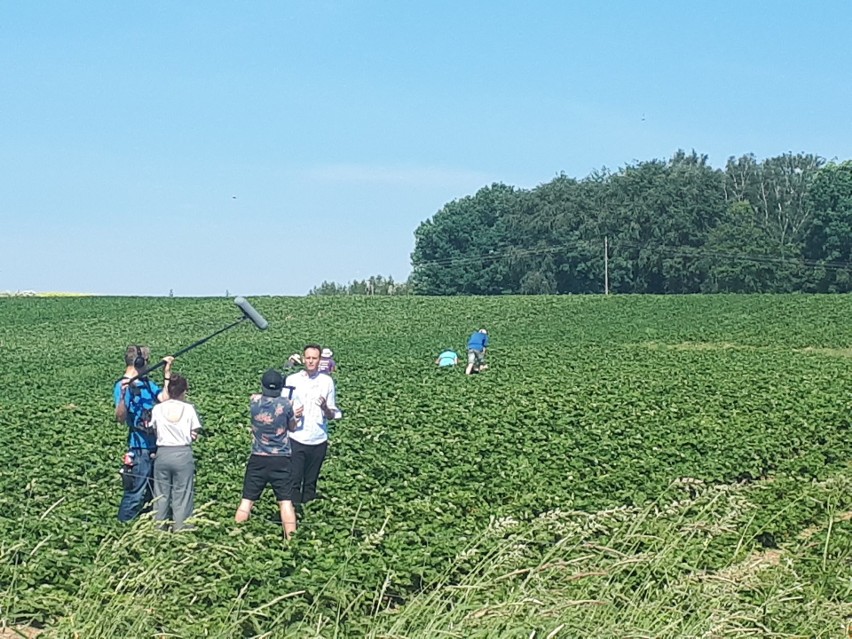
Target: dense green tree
{"type": "Point", "coordinates": [672, 226]}
{"type": "Point", "coordinates": [777, 190]}
{"type": "Point", "coordinates": [739, 255]}
{"type": "Point", "coordinates": [460, 249]}
{"type": "Point", "coordinates": [827, 243]}
{"type": "Point", "coordinates": [548, 251]}
{"type": "Point", "coordinates": [658, 217]}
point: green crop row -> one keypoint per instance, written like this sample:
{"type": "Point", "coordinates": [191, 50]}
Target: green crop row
{"type": "Point", "coordinates": [590, 403]}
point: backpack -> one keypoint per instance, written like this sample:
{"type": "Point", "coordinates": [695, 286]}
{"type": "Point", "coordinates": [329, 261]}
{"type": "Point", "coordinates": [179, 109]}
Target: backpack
{"type": "Point", "coordinates": [142, 400]}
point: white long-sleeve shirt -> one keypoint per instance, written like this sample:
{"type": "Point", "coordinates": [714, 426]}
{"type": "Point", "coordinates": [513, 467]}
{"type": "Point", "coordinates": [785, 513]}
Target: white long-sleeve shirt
{"type": "Point", "coordinates": [175, 421]}
{"type": "Point", "coordinates": [312, 426]}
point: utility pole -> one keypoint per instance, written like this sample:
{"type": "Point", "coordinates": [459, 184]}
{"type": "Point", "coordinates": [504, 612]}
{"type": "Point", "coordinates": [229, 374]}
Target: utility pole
{"type": "Point", "coordinates": [606, 265]}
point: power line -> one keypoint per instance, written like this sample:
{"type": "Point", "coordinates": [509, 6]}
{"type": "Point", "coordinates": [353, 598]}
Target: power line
{"type": "Point", "coordinates": [675, 251]}
{"type": "Point", "coordinates": [745, 257]}
{"type": "Point", "coordinates": [507, 252]}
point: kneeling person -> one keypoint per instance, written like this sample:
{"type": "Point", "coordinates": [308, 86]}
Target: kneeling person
{"type": "Point", "coordinates": [476, 347]}
{"type": "Point", "coordinates": [447, 358]}
{"type": "Point", "coordinates": [269, 464]}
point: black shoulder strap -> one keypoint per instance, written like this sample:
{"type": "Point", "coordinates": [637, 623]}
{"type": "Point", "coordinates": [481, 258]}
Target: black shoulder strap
{"type": "Point", "coordinates": [147, 383]}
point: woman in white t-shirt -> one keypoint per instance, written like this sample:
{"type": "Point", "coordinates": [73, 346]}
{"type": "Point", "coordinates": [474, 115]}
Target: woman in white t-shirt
{"type": "Point", "coordinates": [177, 425]}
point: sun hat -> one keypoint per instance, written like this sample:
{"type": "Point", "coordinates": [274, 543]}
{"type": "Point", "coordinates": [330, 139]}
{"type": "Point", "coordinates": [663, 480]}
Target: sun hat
{"type": "Point", "coordinates": [326, 352]}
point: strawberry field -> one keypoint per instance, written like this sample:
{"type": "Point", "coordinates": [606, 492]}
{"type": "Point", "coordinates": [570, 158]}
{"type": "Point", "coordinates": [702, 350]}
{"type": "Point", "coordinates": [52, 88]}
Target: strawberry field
{"type": "Point", "coordinates": [631, 405]}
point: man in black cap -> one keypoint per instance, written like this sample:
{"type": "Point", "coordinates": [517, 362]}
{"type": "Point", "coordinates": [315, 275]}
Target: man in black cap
{"type": "Point", "coordinates": [272, 419]}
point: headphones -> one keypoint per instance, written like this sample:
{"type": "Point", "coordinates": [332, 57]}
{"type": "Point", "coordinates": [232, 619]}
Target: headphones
{"type": "Point", "coordinates": [139, 362]}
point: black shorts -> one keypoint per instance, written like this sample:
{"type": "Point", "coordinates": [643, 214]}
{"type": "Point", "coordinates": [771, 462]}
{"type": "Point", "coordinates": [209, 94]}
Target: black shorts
{"type": "Point", "coordinates": [273, 470]}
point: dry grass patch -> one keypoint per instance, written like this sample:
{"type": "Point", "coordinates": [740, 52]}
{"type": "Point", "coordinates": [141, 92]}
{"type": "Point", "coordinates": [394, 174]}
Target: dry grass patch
{"type": "Point", "coordinates": [743, 572]}
{"type": "Point", "coordinates": [831, 352]}
{"type": "Point", "coordinates": [18, 632]}
{"type": "Point", "coordinates": [809, 532]}
{"type": "Point", "coordinates": [695, 346]}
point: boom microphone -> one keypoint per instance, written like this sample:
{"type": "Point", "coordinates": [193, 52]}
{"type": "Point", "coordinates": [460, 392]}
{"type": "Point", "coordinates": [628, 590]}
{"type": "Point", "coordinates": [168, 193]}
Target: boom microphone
{"type": "Point", "coordinates": [250, 313]}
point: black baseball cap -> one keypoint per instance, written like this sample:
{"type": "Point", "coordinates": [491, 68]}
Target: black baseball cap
{"type": "Point", "coordinates": [272, 383]}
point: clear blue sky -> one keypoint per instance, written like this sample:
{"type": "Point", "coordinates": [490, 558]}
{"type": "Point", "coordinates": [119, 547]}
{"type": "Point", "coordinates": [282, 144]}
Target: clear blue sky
{"type": "Point", "coordinates": [262, 147]}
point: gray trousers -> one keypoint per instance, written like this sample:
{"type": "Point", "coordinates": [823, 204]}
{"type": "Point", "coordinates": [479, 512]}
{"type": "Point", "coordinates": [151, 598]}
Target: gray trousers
{"type": "Point", "coordinates": [174, 484]}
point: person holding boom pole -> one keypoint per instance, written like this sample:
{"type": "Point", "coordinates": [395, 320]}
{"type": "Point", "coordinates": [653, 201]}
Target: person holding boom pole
{"type": "Point", "coordinates": [135, 396]}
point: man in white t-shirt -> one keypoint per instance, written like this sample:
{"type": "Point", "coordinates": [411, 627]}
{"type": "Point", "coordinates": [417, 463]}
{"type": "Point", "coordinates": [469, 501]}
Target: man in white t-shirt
{"type": "Point", "coordinates": [314, 405]}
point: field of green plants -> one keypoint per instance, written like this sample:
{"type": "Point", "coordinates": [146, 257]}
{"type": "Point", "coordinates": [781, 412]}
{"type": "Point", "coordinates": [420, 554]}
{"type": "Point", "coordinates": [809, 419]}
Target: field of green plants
{"type": "Point", "coordinates": [633, 466]}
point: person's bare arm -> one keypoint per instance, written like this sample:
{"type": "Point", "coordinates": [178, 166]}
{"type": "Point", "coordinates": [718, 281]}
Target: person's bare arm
{"type": "Point", "coordinates": [167, 375]}
{"type": "Point", "coordinates": [195, 425]}
{"type": "Point", "coordinates": [121, 408]}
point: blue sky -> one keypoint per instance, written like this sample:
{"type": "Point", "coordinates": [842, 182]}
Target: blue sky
{"type": "Point", "coordinates": [263, 147]}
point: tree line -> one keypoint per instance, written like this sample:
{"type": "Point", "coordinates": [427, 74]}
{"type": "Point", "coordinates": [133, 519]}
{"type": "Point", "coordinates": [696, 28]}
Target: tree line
{"type": "Point", "coordinates": [373, 285]}
{"type": "Point", "coordinates": [670, 226]}
{"type": "Point", "coordinates": [661, 226]}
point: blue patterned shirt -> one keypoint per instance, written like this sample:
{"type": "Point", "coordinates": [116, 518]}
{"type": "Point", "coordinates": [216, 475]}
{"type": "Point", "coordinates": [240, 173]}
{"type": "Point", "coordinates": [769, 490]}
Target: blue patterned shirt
{"type": "Point", "coordinates": [144, 394]}
{"type": "Point", "coordinates": [270, 417]}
